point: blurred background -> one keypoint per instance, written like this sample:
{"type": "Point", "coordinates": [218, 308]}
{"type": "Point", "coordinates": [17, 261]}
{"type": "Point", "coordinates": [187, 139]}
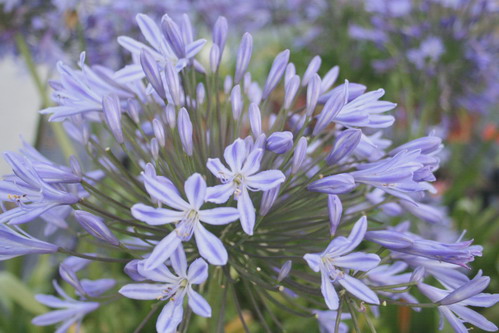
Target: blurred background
{"type": "Point", "coordinates": [437, 59]}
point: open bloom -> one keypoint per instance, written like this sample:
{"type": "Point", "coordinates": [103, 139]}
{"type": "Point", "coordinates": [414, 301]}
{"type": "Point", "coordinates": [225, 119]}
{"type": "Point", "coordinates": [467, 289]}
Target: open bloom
{"type": "Point", "coordinates": [242, 176]}
{"type": "Point", "coordinates": [187, 216]}
{"type": "Point", "coordinates": [336, 260]}
{"type": "Point", "coordinates": [71, 311]}
{"type": "Point", "coordinates": [172, 287]}
{"type": "Point", "coordinates": [453, 304]}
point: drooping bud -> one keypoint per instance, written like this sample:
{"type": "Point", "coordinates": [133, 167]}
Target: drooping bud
{"type": "Point", "coordinates": [185, 130]}
{"type": "Point", "coordinates": [95, 226]}
{"type": "Point", "coordinates": [280, 142]}
{"type": "Point", "coordinates": [335, 184]}
{"type": "Point", "coordinates": [345, 144]}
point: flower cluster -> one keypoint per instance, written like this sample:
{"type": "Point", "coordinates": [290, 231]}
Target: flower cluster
{"type": "Point", "coordinates": [287, 200]}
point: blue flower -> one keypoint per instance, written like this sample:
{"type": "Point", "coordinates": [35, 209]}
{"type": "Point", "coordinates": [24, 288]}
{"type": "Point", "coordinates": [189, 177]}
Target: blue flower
{"type": "Point", "coordinates": [242, 176]}
{"type": "Point", "coordinates": [71, 311]}
{"type": "Point", "coordinates": [172, 287]}
{"type": "Point", "coordinates": [188, 217]}
{"type": "Point", "coordinates": [336, 260]}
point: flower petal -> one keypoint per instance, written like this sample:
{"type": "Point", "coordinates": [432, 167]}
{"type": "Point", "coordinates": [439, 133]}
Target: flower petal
{"type": "Point", "coordinates": [265, 180]}
{"type": "Point", "coordinates": [170, 317]}
{"type": "Point", "coordinates": [359, 289]}
{"type": "Point", "coordinates": [246, 212]}
{"type": "Point", "coordinates": [313, 260]}
{"type": "Point", "coordinates": [473, 317]}
{"type": "Point", "coordinates": [162, 251]}
{"type": "Point", "coordinates": [235, 154]}
{"type": "Point", "coordinates": [179, 261]}
{"type": "Point", "coordinates": [252, 163]}
{"type": "Point", "coordinates": [358, 260]}
{"type": "Point", "coordinates": [198, 271]}
{"type": "Point", "coordinates": [219, 193]}
{"type": "Point", "coordinates": [164, 192]}
{"type": "Point", "coordinates": [210, 247]}
{"type": "Point", "coordinates": [155, 216]}
{"type": "Point", "coordinates": [218, 169]}
{"type": "Point", "coordinates": [198, 304]}
{"type": "Point", "coordinates": [142, 291]}
{"type": "Point", "coordinates": [219, 216]}
{"type": "Point", "coordinates": [195, 190]}
{"type": "Point", "coordinates": [329, 293]}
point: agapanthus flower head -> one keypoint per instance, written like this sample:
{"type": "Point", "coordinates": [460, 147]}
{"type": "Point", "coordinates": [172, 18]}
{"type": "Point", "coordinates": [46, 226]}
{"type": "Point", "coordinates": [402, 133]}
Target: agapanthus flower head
{"type": "Point", "coordinates": [182, 154]}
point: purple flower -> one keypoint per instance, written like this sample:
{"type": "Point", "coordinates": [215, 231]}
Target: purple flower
{"type": "Point", "coordinates": [188, 217]}
{"type": "Point", "coordinates": [400, 240]}
{"type": "Point", "coordinates": [243, 57]}
{"type": "Point", "coordinates": [337, 259]}
{"type": "Point", "coordinates": [70, 310]}
{"type": "Point", "coordinates": [276, 72]}
{"type": "Point", "coordinates": [172, 287]}
{"type": "Point", "coordinates": [454, 306]}
{"type": "Point", "coordinates": [17, 243]}
{"type": "Point", "coordinates": [241, 177]}
{"type": "Point", "coordinates": [280, 142]}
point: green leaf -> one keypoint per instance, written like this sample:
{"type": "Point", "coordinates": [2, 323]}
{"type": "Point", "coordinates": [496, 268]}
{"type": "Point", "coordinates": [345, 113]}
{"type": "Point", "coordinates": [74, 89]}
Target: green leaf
{"type": "Point", "coordinates": [15, 290]}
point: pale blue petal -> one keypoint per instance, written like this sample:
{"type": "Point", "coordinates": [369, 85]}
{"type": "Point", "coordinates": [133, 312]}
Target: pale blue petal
{"type": "Point", "coordinates": [220, 193]}
{"type": "Point", "coordinates": [235, 155]}
{"type": "Point", "coordinates": [142, 291]}
{"type": "Point", "coordinates": [198, 271]}
{"type": "Point", "coordinates": [162, 251]}
{"type": "Point", "coordinates": [246, 212]}
{"type": "Point", "coordinates": [169, 318]}
{"type": "Point", "coordinates": [252, 163]}
{"type": "Point", "coordinates": [359, 289]}
{"type": "Point", "coordinates": [210, 247]}
{"type": "Point", "coordinates": [179, 261]}
{"type": "Point", "coordinates": [155, 216]}
{"type": "Point", "coordinates": [218, 169]}
{"type": "Point", "coordinates": [167, 194]}
{"type": "Point", "coordinates": [358, 260]}
{"type": "Point", "coordinates": [329, 293]}
{"type": "Point", "coordinates": [219, 216]}
{"type": "Point", "coordinates": [313, 260]}
{"type": "Point", "coordinates": [473, 317]}
{"type": "Point", "coordinates": [195, 190]}
{"type": "Point", "coordinates": [198, 304]}
{"type": "Point", "coordinates": [265, 180]}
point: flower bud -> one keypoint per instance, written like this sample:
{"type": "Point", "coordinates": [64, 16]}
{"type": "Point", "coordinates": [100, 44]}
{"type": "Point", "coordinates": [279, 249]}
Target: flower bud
{"type": "Point", "coordinates": [236, 101]}
{"type": "Point", "coordinates": [150, 68]}
{"type": "Point", "coordinates": [335, 209]}
{"type": "Point", "coordinates": [170, 115]}
{"type": "Point", "coordinates": [290, 91]}
{"type": "Point", "coordinates": [227, 84]}
{"type": "Point", "coordinates": [173, 36]}
{"type": "Point", "coordinates": [243, 56]}
{"type": "Point", "coordinates": [313, 68]}
{"type": "Point", "coordinates": [329, 79]}
{"type": "Point", "coordinates": [313, 91]}
{"type": "Point", "coordinates": [95, 226]}
{"type": "Point", "coordinates": [154, 148]}
{"type": "Point", "coordinates": [214, 58]}
{"type": "Point", "coordinates": [335, 184]}
{"type": "Point", "coordinates": [200, 94]}
{"type": "Point", "coordinates": [332, 107]}
{"type": "Point", "coordinates": [219, 36]}
{"type": "Point", "coordinates": [255, 118]}
{"type": "Point", "coordinates": [268, 199]}
{"type": "Point", "coordinates": [300, 154]}
{"type": "Point", "coordinates": [112, 115]}
{"type": "Point", "coordinates": [284, 271]}
{"type": "Point", "coordinates": [280, 142]}
{"type": "Point", "coordinates": [276, 72]}
{"type": "Point", "coordinates": [345, 144]}
{"type": "Point", "coordinates": [185, 130]}
{"type": "Point", "coordinates": [289, 73]}
{"type": "Point", "coordinates": [159, 132]}
{"type": "Point", "coordinates": [173, 83]}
